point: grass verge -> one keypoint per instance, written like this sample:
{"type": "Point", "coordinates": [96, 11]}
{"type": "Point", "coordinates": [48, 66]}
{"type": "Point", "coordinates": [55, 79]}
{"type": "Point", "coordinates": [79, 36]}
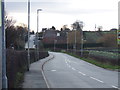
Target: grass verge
{"type": "Point", "coordinates": [95, 62]}
{"type": "Point", "coordinates": [20, 77]}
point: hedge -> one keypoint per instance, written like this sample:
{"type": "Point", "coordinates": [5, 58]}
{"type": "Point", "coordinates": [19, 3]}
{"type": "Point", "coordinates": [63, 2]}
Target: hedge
{"type": "Point", "coordinates": [17, 64]}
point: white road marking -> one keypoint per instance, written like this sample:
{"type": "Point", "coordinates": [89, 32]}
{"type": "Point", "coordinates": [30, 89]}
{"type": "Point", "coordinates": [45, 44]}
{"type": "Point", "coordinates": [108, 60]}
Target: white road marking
{"type": "Point", "coordinates": [53, 70]}
{"type": "Point", "coordinates": [114, 86]}
{"type": "Point", "coordinates": [82, 73]}
{"type": "Point", "coordinates": [69, 61]}
{"type": "Point", "coordinates": [69, 66]}
{"type": "Point", "coordinates": [97, 79]}
{"type": "Point", "coordinates": [73, 69]}
{"type": "Point", "coordinates": [65, 60]}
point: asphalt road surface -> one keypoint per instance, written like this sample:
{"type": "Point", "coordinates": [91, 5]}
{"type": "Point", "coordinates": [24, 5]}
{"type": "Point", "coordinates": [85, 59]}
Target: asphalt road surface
{"type": "Point", "coordinates": [65, 71]}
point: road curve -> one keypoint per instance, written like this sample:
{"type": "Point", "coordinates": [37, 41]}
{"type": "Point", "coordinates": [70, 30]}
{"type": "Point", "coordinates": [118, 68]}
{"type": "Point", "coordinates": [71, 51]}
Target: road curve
{"type": "Point", "coordinates": [65, 71]}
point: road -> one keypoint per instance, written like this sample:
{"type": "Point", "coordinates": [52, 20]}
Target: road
{"type": "Point", "coordinates": [65, 71]}
{"type": "Point", "coordinates": [31, 42]}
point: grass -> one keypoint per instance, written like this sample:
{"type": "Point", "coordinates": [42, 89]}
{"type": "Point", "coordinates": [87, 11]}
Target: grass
{"type": "Point", "coordinates": [20, 78]}
{"type": "Point", "coordinates": [95, 62]}
{"type": "Point", "coordinates": [110, 55]}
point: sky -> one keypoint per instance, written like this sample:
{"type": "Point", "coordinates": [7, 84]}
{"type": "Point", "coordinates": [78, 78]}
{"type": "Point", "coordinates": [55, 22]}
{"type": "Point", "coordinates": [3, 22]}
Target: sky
{"type": "Point", "coordinates": [65, 12]}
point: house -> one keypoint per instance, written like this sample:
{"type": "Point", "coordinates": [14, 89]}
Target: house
{"type": "Point", "coordinates": [52, 35]}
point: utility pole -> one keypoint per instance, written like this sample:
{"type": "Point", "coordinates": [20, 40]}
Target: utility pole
{"type": "Point", "coordinates": [54, 45]}
{"type": "Point", "coordinates": [37, 48]}
{"type": "Point", "coordinates": [3, 44]}
{"type": "Point", "coordinates": [28, 34]}
{"type": "Point", "coordinates": [0, 46]}
{"type": "Point", "coordinates": [75, 42]}
{"type": "Point", "coordinates": [67, 41]}
{"type": "Point", "coordinates": [0, 57]}
{"type": "Point", "coordinates": [82, 43]}
{"type": "Point", "coordinates": [95, 27]}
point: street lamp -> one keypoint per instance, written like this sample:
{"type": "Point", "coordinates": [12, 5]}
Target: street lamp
{"type": "Point", "coordinates": [4, 77]}
{"type": "Point", "coordinates": [67, 41]}
{"type": "Point", "coordinates": [28, 34]}
{"type": "Point", "coordinates": [75, 42]}
{"type": "Point", "coordinates": [55, 41]}
{"type": "Point", "coordinates": [82, 43]}
{"type": "Point", "coordinates": [37, 32]}
{"type": "Point", "coordinates": [82, 39]}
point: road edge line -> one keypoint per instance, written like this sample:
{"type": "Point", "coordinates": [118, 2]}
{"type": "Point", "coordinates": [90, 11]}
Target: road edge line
{"type": "Point", "coordinates": [46, 81]}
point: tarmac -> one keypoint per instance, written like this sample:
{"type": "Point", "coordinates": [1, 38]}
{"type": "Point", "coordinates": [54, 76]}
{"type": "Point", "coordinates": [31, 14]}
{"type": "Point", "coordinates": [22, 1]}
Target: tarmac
{"type": "Point", "coordinates": [35, 77]}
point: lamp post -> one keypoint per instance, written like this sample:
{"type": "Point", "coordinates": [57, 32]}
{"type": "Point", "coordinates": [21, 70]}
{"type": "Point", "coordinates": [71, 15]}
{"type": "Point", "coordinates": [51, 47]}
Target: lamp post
{"type": "Point", "coordinates": [28, 34]}
{"type": "Point", "coordinates": [3, 43]}
{"type": "Point", "coordinates": [75, 42]}
{"type": "Point", "coordinates": [82, 43]}
{"type": "Point", "coordinates": [67, 41]}
{"type": "Point", "coordinates": [37, 48]}
{"type": "Point", "coordinates": [55, 41]}
{"type": "Point", "coordinates": [82, 39]}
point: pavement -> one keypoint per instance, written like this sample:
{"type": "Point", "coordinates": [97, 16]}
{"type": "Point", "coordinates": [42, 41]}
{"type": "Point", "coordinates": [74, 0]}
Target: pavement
{"type": "Point", "coordinates": [34, 78]}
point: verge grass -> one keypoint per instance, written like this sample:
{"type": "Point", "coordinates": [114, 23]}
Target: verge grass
{"type": "Point", "coordinates": [95, 62]}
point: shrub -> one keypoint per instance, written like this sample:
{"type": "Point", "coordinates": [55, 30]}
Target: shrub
{"type": "Point", "coordinates": [105, 57]}
{"type": "Point", "coordinates": [17, 65]}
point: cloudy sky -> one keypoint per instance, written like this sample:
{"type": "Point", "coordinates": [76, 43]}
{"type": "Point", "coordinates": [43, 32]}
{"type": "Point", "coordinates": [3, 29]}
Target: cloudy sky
{"type": "Point", "coordinates": [65, 12]}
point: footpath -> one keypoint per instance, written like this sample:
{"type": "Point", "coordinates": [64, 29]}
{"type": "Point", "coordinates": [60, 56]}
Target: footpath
{"type": "Point", "coordinates": [35, 78]}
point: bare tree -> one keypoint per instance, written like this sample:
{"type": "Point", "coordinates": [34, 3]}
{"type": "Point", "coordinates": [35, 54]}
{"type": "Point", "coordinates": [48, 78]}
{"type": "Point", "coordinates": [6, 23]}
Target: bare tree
{"type": "Point", "coordinates": [9, 21]}
{"type": "Point", "coordinates": [100, 28]}
{"type": "Point", "coordinates": [78, 25]}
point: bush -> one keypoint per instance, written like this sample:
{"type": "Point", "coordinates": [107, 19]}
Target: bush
{"type": "Point", "coordinates": [17, 65]}
{"type": "Point", "coordinates": [105, 57]}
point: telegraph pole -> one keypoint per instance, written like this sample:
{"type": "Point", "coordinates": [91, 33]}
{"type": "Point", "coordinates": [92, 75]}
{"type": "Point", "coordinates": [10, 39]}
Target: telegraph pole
{"type": "Point", "coordinates": [67, 41]}
{"type": "Point", "coordinates": [82, 43]}
{"type": "Point", "coordinates": [75, 41]}
{"type": "Point", "coordinates": [0, 47]}
{"type": "Point", "coordinates": [3, 44]}
{"type": "Point", "coordinates": [37, 32]}
{"type": "Point", "coordinates": [28, 34]}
